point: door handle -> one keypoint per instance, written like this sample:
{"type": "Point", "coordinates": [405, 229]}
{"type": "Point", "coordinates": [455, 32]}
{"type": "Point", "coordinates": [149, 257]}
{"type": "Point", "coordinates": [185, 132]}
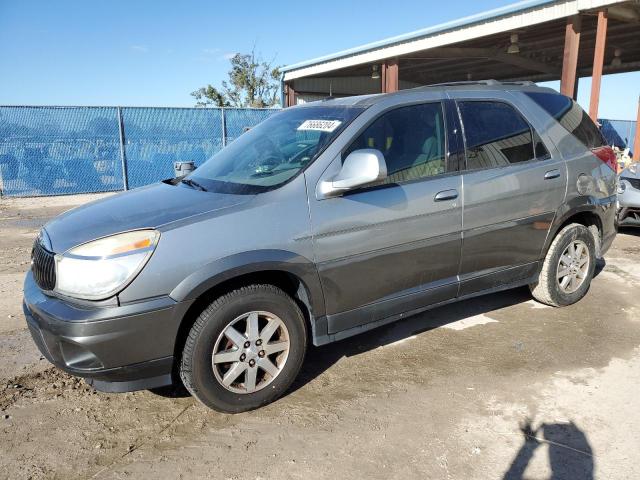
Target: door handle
{"type": "Point", "coordinates": [445, 195]}
{"type": "Point", "coordinates": [551, 174]}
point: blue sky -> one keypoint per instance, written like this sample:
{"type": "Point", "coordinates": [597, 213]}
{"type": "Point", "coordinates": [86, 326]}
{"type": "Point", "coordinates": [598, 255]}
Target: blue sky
{"type": "Point", "coordinates": [143, 52]}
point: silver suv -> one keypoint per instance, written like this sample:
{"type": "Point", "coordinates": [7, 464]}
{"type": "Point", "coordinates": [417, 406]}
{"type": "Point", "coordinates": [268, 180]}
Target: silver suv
{"type": "Point", "coordinates": [326, 220]}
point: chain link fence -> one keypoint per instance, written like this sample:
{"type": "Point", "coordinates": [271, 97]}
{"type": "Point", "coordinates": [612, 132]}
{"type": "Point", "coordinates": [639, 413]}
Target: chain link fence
{"type": "Point", "coordinates": [68, 150]}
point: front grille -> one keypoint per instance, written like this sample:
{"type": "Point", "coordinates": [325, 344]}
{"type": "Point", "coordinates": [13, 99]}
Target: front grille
{"type": "Point", "coordinates": [43, 267]}
{"type": "Point", "coordinates": [635, 182]}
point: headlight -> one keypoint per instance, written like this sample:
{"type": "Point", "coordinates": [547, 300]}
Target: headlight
{"type": "Point", "coordinates": [622, 186]}
{"type": "Point", "coordinates": [99, 269]}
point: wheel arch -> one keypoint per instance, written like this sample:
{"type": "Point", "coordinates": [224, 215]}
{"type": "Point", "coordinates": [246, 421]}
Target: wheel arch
{"type": "Point", "coordinates": [294, 274]}
{"type": "Point", "coordinates": [587, 215]}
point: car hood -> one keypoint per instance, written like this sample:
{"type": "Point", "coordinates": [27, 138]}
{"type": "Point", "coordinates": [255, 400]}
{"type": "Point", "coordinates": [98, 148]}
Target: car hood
{"type": "Point", "coordinates": [154, 206]}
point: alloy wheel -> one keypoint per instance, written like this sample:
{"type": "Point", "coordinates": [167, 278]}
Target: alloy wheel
{"type": "Point", "coordinates": [250, 352]}
{"type": "Point", "coordinates": [573, 266]}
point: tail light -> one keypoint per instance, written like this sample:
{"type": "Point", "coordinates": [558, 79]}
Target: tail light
{"type": "Point", "coordinates": [607, 155]}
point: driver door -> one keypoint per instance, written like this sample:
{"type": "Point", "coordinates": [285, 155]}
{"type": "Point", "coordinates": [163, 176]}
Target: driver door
{"type": "Point", "coordinates": [393, 246]}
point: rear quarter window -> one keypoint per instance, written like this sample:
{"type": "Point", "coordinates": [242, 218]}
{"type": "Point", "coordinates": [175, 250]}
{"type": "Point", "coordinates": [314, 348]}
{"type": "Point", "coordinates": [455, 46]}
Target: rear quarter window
{"type": "Point", "coordinates": [569, 114]}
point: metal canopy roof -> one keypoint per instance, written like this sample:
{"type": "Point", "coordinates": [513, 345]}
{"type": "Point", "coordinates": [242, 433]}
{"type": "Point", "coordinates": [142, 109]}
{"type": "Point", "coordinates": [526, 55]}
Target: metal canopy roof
{"type": "Point", "coordinates": [476, 47]}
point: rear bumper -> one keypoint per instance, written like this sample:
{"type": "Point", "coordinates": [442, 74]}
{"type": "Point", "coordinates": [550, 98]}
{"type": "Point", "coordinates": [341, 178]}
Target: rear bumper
{"type": "Point", "coordinates": [116, 348]}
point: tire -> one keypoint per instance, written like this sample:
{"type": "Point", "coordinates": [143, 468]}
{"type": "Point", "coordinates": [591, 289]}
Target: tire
{"type": "Point", "coordinates": [204, 379]}
{"type": "Point", "coordinates": [549, 289]}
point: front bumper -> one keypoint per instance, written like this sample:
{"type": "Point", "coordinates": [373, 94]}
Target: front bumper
{"type": "Point", "coordinates": [116, 348]}
{"type": "Point", "coordinates": [628, 202]}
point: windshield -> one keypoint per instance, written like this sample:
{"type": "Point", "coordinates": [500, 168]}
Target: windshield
{"type": "Point", "coordinates": [273, 152]}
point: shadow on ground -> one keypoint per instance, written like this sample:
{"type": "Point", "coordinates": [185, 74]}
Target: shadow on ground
{"type": "Point", "coordinates": [633, 230]}
{"type": "Point", "coordinates": [320, 359]}
{"type": "Point", "coordinates": [570, 454]}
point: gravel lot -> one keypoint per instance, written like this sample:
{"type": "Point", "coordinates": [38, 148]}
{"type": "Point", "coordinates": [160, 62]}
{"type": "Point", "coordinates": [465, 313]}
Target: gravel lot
{"type": "Point", "coordinates": [496, 387]}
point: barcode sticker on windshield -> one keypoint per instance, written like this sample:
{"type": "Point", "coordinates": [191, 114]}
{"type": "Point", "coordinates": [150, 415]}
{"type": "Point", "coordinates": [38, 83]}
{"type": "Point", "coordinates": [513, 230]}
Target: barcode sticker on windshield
{"type": "Point", "coordinates": [320, 125]}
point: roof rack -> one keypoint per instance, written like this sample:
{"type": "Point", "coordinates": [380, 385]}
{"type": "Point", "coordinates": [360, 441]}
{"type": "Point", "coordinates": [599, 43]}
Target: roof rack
{"type": "Point", "coordinates": [482, 82]}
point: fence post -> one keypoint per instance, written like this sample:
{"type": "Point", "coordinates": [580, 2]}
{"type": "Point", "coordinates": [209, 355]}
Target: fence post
{"type": "Point", "coordinates": [123, 153]}
{"type": "Point", "coordinates": [224, 128]}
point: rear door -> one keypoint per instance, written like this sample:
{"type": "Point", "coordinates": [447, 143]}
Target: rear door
{"type": "Point", "coordinates": [394, 246]}
{"type": "Point", "coordinates": [514, 184]}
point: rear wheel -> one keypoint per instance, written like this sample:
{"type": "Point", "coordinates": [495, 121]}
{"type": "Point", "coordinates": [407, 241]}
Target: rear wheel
{"type": "Point", "coordinates": [568, 267]}
{"type": "Point", "coordinates": [245, 349]}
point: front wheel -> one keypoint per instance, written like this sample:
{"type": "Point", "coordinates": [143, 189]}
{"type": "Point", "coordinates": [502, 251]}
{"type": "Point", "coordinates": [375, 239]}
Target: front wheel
{"type": "Point", "coordinates": [568, 267]}
{"type": "Point", "coordinates": [245, 349]}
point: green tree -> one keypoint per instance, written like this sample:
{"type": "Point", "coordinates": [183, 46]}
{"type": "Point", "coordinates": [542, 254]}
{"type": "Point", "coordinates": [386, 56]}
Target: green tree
{"type": "Point", "coordinates": [252, 82]}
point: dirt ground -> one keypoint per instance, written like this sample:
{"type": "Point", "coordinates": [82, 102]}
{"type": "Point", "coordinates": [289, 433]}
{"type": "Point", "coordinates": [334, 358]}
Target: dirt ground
{"type": "Point", "coordinates": [496, 387]}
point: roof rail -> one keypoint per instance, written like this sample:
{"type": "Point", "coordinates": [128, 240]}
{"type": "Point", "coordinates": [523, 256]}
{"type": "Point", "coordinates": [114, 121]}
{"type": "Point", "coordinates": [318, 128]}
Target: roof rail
{"type": "Point", "coordinates": [526, 83]}
{"type": "Point", "coordinates": [482, 82]}
{"type": "Point", "coordinates": [467, 82]}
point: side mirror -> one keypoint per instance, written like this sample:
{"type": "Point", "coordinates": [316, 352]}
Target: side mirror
{"type": "Point", "coordinates": [360, 168]}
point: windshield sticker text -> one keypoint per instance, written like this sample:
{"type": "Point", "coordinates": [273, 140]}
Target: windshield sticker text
{"type": "Point", "coordinates": [320, 125]}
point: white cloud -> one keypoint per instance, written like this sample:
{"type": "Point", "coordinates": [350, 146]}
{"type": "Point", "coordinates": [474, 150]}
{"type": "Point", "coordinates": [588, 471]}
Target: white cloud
{"type": "Point", "coordinates": [228, 56]}
{"type": "Point", "coordinates": [140, 48]}
{"type": "Point", "coordinates": [210, 51]}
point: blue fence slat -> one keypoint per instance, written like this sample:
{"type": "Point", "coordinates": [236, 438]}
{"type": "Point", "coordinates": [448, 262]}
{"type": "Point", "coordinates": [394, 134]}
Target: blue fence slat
{"type": "Point", "coordinates": [238, 120]}
{"type": "Point", "coordinates": [156, 137]}
{"type": "Point", "coordinates": [67, 150]}
{"type": "Point", "coordinates": [59, 150]}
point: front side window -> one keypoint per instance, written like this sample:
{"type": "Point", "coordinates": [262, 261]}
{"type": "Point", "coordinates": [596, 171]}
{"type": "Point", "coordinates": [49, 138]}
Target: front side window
{"type": "Point", "coordinates": [496, 135]}
{"type": "Point", "coordinates": [412, 140]}
{"type": "Point", "coordinates": [273, 152]}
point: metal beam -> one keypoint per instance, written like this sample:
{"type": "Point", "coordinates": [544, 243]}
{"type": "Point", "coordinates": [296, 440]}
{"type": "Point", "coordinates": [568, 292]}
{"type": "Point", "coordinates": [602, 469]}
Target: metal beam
{"type": "Point", "coordinates": [527, 63]}
{"type": "Point", "coordinates": [568, 81]}
{"type": "Point", "coordinates": [598, 63]}
{"type": "Point", "coordinates": [583, 72]}
{"type": "Point", "coordinates": [488, 53]}
{"type": "Point", "coordinates": [624, 13]}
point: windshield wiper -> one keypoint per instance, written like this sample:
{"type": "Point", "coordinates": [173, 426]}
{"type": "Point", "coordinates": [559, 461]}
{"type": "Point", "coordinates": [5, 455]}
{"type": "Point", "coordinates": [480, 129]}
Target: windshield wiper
{"type": "Point", "coordinates": [193, 184]}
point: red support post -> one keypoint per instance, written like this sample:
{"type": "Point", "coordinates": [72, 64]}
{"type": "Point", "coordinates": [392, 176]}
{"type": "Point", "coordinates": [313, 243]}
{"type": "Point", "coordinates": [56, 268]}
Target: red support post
{"type": "Point", "coordinates": [568, 83]}
{"type": "Point", "coordinates": [598, 63]}
{"type": "Point", "coordinates": [290, 95]}
{"type": "Point", "coordinates": [389, 75]}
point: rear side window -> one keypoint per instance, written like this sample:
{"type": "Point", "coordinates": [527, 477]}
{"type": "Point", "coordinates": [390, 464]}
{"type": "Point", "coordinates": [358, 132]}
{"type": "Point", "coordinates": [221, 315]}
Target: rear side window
{"type": "Point", "coordinates": [569, 114]}
{"type": "Point", "coordinates": [496, 135]}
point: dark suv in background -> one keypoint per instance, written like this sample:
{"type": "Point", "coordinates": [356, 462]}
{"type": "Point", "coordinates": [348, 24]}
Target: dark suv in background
{"type": "Point", "coordinates": [326, 220]}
